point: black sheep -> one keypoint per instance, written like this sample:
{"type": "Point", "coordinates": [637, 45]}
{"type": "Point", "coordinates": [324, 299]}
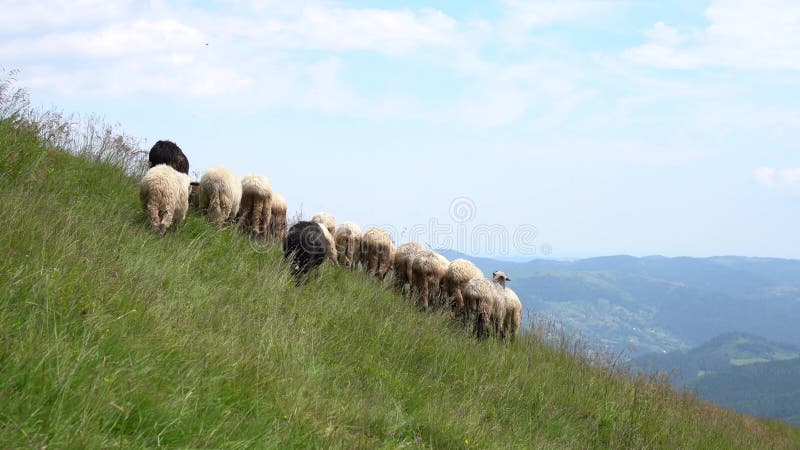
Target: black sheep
{"type": "Point", "coordinates": [305, 248]}
{"type": "Point", "coordinates": [167, 152]}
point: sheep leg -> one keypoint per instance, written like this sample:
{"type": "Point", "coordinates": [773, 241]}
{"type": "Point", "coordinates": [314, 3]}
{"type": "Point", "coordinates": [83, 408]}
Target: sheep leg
{"type": "Point", "coordinates": [155, 219]}
{"type": "Point", "coordinates": [166, 221]}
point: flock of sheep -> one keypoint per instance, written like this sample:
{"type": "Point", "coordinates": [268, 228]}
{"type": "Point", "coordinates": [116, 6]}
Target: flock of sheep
{"type": "Point", "coordinates": [432, 281]}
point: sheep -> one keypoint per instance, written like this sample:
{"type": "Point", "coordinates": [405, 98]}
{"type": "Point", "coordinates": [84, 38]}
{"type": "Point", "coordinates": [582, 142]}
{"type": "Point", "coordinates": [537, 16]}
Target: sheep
{"type": "Point", "coordinates": [278, 222]}
{"type": "Point", "coordinates": [220, 194]}
{"type": "Point", "coordinates": [164, 194]}
{"type": "Point", "coordinates": [513, 317]}
{"type": "Point", "coordinates": [485, 301]}
{"type": "Point", "coordinates": [194, 194]}
{"type": "Point", "coordinates": [305, 248]}
{"type": "Point", "coordinates": [458, 274]}
{"type": "Point", "coordinates": [332, 256]}
{"type": "Point", "coordinates": [427, 270]}
{"type": "Point", "coordinates": [327, 220]}
{"type": "Point", "coordinates": [377, 252]}
{"type": "Point", "coordinates": [348, 244]}
{"type": "Point", "coordinates": [402, 262]}
{"type": "Point", "coordinates": [167, 152]}
{"type": "Point", "coordinates": [256, 205]}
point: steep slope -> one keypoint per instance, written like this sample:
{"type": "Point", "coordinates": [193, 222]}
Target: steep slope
{"type": "Point", "coordinates": [110, 336]}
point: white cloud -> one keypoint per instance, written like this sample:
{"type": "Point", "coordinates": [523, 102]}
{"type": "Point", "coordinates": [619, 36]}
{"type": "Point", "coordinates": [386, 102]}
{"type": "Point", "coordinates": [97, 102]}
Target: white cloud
{"type": "Point", "coordinates": [535, 13]}
{"type": "Point", "coordinates": [118, 40]}
{"type": "Point", "coordinates": [740, 34]}
{"type": "Point", "coordinates": [26, 16]}
{"type": "Point", "coordinates": [786, 179]}
{"type": "Point", "coordinates": [765, 175]}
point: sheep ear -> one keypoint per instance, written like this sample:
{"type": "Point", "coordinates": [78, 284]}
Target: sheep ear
{"type": "Point", "coordinates": [508, 279]}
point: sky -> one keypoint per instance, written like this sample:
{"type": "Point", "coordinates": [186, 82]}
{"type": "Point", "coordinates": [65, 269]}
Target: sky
{"type": "Point", "coordinates": [505, 128]}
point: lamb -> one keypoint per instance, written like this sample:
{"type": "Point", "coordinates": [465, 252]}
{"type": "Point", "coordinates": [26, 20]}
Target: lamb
{"type": "Point", "coordinates": [485, 300]}
{"type": "Point", "coordinates": [377, 252]}
{"type": "Point", "coordinates": [220, 194]}
{"type": "Point", "coordinates": [256, 205]}
{"type": "Point", "coordinates": [167, 152]}
{"type": "Point", "coordinates": [402, 262]}
{"type": "Point", "coordinates": [164, 193]}
{"type": "Point", "coordinates": [348, 244]}
{"type": "Point", "coordinates": [278, 222]}
{"type": "Point", "coordinates": [327, 220]}
{"type": "Point", "coordinates": [458, 274]}
{"type": "Point", "coordinates": [305, 248]}
{"type": "Point", "coordinates": [427, 270]}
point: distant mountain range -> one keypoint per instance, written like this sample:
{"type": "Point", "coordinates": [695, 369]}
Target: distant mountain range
{"type": "Point", "coordinates": [659, 304]}
{"type": "Point", "coordinates": [740, 371]}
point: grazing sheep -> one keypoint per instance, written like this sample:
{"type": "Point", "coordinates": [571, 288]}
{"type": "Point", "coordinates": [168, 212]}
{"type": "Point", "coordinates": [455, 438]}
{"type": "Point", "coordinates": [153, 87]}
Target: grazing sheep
{"type": "Point", "coordinates": [332, 256]}
{"type": "Point", "coordinates": [513, 318]}
{"type": "Point", "coordinates": [194, 194]}
{"type": "Point", "coordinates": [485, 301]}
{"type": "Point", "coordinates": [164, 193]}
{"type": "Point", "coordinates": [402, 262]}
{"type": "Point", "coordinates": [327, 220]}
{"type": "Point", "coordinates": [256, 206]}
{"type": "Point", "coordinates": [427, 270]}
{"type": "Point", "coordinates": [305, 248]}
{"type": "Point", "coordinates": [377, 252]}
{"type": "Point", "coordinates": [348, 244]}
{"type": "Point", "coordinates": [220, 194]}
{"type": "Point", "coordinates": [458, 274]}
{"type": "Point", "coordinates": [278, 222]}
{"type": "Point", "coordinates": [167, 152]}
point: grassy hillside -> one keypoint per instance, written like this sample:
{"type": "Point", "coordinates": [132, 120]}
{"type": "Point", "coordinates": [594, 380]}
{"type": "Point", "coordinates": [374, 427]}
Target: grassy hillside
{"type": "Point", "coordinates": [110, 336]}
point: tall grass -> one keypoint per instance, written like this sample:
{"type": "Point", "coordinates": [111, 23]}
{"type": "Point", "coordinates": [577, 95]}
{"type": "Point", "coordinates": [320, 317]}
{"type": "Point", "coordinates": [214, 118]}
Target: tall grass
{"type": "Point", "coordinates": [112, 337]}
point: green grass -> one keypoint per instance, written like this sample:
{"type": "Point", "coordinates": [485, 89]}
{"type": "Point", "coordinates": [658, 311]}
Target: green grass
{"type": "Point", "coordinates": [110, 336]}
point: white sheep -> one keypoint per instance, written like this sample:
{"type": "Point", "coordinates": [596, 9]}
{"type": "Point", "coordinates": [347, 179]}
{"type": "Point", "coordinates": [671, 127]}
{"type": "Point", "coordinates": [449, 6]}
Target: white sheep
{"type": "Point", "coordinates": [331, 253]}
{"type": "Point", "coordinates": [348, 244]}
{"type": "Point", "coordinates": [513, 318]}
{"type": "Point", "coordinates": [458, 274]}
{"type": "Point", "coordinates": [427, 270]}
{"type": "Point", "coordinates": [327, 220]}
{"type": "Point", "coordinates": [164, 194]}
{"type": "Point", "coordinates": [485, 301]}
{"type": "Point", "coordinates": [255, 209]}
{"type": "Point", "coordinates": [220, 194]}
{"type": "Point", "coordinates": [377, 252]}
{"type": "Point", "coordinates": [402, 262]}
{"type": "Point", "coordinates": [278, 225]}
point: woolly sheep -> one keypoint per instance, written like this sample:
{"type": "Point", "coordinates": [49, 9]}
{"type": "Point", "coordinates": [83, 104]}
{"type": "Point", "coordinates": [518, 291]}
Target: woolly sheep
{"type": "Point", "coordinates": [485, 301]}
{"type": "Point", "coordinates": [427, 270]}
{"type": "Point", "coordinates": [167, 152]}
{"type": "Point", "coordinates": [348, 244]}
{"type": "Point", "coordinates": [194, 194]}
{"type": "Point", "coordinates": [220, 194]}
{"type": "Point", "coordinates": [256, 205]}
{"type": "Point", "coordinates": [332, 256]}
{"type": "Point", "coordinates": [458, 274]}
{"type": "Point", "coordinates": [377, 252]}
{"type": "Point", "coordinates": [402, 262]}
{"type": "Point", "coordinates": [164, 193]}
{"type": "Point", "coordinates": [513, 318]}
{"type": "Point", "coordinates": [305, 248]}
{"type": "Point", "coordinates": [327, 220]}
{"type": "Point", "coordinates": [278, 223]}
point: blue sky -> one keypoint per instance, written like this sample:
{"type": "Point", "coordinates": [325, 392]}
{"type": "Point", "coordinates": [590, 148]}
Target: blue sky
{"type": "Point", "coordinates": [558, 128]}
